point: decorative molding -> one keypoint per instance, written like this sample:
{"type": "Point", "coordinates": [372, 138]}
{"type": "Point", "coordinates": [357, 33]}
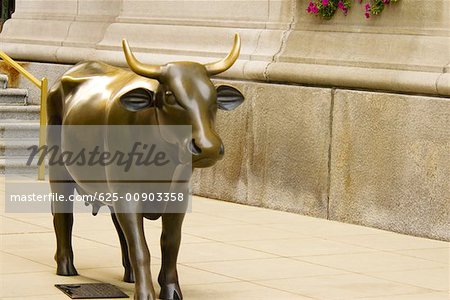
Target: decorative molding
{"type": "Point", "coordinates": [406, 49]}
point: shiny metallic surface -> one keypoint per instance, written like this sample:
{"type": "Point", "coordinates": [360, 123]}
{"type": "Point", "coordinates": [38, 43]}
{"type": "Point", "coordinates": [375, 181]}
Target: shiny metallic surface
{"type": "Point", "coordinates": [138, 67]}
{"type": "Point", "coordinates": [152, 71]}
{"type": "Point", "coordinates": [178, 93]}
{"type": "Point", "coordinates": [224, 64]}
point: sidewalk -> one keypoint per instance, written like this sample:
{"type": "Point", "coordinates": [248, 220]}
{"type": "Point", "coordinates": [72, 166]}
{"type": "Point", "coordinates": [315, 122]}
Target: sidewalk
{"type": "Point", "coordinates": [234, 252]}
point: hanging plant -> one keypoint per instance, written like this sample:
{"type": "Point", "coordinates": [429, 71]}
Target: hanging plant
{"type": "Point", "coordinates": [327, 8]}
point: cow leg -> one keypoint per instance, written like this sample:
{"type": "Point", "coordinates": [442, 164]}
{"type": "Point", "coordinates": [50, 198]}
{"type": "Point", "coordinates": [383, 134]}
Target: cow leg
{"type": "Point", "coordinates": [133, 230]}
{"type": "Point", "coordinates": [62, 210]}
{"type": "Point", "coordinates": [128, 275]}
{"type": "Point", "coordinates": [170, 244]}
{"type": "Point", "coordinates": [62, 223]}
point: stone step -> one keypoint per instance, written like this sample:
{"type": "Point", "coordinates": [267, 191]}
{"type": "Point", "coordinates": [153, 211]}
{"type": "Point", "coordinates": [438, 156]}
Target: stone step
{"type": "Point", "coordinates": [3, 81]}
{"type": "Point", "coordinates": [30, 112]}
{"type": "Point", "coordinates": [19, 129]}
{"type": "Point", "coordinates": [17, 166]}
{"type": "Point", "coordinates": [16, 147]}
{"type": "Point", "coordinates": [13, 96]}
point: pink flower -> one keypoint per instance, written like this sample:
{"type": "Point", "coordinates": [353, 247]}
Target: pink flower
{"type": "Point", "coordinates": [309, 9]}
{"type": "Point", "coordinates": [367, 15]}
{"type": "Point", "coordinates": [367, 6]}
{"type": "Point", "coordinates": [325, 2]}
{"type": "Point", "coordinates": [342, 7]}
{"type": "Point", "coordinates": [312, 8]}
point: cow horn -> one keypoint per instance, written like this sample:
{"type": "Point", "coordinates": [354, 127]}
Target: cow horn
{"type": "Point", "coordinates": [138, 67]}
{"type": "Point", "coordinates": [226, 63]}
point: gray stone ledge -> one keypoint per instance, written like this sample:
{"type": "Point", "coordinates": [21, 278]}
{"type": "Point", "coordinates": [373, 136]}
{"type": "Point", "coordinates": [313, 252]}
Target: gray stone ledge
{"type": "Point", "coordinates": [311, 74]}
{"type": "Point", "coordinates": [366, 78]}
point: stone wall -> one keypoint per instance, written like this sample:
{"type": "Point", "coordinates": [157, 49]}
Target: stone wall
{"type": "Point", "coordinates": [276, 149]}
{"type": "Point", "coordinates": [367, 144]}
{"type": "Point", "coordinates": [390, 162]}
{"type": "Point", "coordinates": [367, 158]}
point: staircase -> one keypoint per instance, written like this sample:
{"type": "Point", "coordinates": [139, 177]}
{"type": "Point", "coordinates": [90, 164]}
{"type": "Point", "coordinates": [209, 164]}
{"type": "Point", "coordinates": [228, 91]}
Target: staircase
{"type": "Point", "coordinates": [19, 129]}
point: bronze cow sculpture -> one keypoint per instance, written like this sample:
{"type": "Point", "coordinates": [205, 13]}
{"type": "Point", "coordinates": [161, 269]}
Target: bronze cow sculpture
{"type": "Point", "coordinates": [178, 93]}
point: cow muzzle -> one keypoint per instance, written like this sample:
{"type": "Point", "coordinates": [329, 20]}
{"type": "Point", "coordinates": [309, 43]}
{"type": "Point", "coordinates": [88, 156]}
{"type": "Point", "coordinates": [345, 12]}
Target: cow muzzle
{"type": "Point", "coordinates": [205, 154]}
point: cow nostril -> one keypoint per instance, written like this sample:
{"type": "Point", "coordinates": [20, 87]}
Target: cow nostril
{"type": "Point", "coordinates": [193, 148]}
{"type": "Point", "coordinates": [222, 149]}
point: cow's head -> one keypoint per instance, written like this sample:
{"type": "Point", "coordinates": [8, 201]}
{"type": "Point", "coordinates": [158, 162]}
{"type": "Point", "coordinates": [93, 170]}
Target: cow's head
{"type": "Point", "coordinates": [186, 96]}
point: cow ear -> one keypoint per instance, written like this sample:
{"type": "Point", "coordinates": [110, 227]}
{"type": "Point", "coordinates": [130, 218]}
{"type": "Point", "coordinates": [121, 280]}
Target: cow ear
{"type": "Point", "coordinates": [228, 98]}
{"type": "Point", "coordinates": [138, 99]}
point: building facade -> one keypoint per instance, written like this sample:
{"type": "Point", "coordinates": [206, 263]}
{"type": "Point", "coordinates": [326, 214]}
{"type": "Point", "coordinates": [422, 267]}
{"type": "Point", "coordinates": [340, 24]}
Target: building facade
{"type": "Point", "coordinates": [346, 119]}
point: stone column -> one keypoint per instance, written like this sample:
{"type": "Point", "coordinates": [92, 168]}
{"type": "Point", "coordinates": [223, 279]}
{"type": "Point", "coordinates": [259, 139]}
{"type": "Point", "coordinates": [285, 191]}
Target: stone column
{"type": "Point", "coordinates": [64, 31]}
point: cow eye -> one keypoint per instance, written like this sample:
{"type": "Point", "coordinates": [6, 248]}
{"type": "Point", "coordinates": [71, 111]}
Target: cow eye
{"type": "Point", "coordinates": [170, 98]}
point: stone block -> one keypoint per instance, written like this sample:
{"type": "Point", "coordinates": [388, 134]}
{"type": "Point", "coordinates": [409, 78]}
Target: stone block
{"type": "Point", "coordinates": [178, 10]}
{"type": "Point", "coordinates": [276, 150]}
{"type": "Point", "coordinates": [403, 17]}
{"type": "Point", "coordinates": [390, 162]}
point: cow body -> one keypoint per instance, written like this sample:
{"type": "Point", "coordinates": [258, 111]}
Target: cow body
{"type": "Point", "coordinates": [69, 106]}
{"type": "Point", "coordinates": [94, 93]}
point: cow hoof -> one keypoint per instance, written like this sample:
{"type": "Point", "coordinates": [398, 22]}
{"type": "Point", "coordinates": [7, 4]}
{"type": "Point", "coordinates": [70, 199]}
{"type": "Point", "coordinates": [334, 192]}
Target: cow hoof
{"type": "Point", "coordinates": [128, 276]}
{"type": "Point", "coordinates": [170, 291]}
{"type": "Point", "coordinates": [66, 269]}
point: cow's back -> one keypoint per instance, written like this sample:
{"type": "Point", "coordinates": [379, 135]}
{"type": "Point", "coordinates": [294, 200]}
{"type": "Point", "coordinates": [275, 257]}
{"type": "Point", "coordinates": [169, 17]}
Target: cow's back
{"type": "Point", "coordinates": [88, 94]}
{"type": "Point", "coordinates": [89, 89]}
